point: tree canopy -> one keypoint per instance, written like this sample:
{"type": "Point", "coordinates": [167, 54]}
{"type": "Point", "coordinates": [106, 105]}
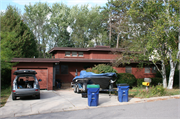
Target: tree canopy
{"type": "Point", "coordinates": [20, 38]}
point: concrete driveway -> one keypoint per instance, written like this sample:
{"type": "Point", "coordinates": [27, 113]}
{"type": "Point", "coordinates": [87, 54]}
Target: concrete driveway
{"type": "Point", "coordinates": [61, 100]}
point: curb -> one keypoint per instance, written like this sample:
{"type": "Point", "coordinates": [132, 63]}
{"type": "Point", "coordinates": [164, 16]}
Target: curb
{"type": "Point", "coordinates": [138, 100]}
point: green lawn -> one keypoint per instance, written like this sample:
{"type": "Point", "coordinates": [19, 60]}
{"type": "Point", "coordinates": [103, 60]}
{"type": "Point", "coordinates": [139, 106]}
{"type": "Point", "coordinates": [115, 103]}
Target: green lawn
{"type": "Point", "coordinates": [5, 93]}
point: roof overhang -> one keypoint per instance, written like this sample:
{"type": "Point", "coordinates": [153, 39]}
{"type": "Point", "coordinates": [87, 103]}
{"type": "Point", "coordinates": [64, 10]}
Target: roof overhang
{"type": "Point", "coordinates": [51, 60]}
{"type": "Point", "coordinates": [107, 49]}
{"type": "Point", "coordinates": [40, 60]}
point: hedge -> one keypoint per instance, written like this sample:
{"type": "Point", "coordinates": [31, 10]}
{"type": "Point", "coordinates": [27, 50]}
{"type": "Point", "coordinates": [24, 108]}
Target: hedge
{"type": "Point", "coordinates": [126, 78]}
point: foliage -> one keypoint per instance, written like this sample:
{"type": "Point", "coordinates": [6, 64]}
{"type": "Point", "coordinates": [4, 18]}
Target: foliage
{"type": "Point", "coordinates": [16, 38]}
{"type": "Point", "coordinates": [36, 17]}
{"type": "Point", "coordinates": [87, 26]}
{"type": "Point", "coordinates": [60, 20]}
{"type": "Point", "coordinates": [139, 82]}
{"type": "Point", "coordinates": [117, 20]}
{"type": "Point", "coordinates": [6, 52]}
{"type": "Point", "coordinates": [153, 36]}
{"type": "Point", "coordinates": [101, 68]}
{"type": "Point", "coordinates": [126, 78]}
{"type": "Point", "coordinates": [155, 81]}
{"type": "Point", "coordinates": [157, 90]}
{"type": "Point", "coordinates": [153, 91]}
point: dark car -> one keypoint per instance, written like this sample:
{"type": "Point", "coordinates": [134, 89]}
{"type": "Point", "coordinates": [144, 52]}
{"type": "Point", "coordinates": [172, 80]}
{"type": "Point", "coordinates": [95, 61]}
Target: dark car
{"type": "Point", "coordinates": [25, 84]}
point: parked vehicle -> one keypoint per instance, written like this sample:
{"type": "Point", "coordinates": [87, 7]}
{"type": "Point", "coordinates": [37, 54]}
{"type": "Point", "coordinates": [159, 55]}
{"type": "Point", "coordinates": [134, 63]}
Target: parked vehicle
{"type": "Point", "coordinates": [105, 80]}
{"type": "Point", "coordinates": [25, 84]}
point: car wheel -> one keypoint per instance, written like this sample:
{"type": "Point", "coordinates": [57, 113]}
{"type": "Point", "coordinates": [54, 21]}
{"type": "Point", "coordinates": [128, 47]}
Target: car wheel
{"type": "Point", "coordinates": [38, 96]}
{"type": "Point", "coordinates": [13, 96]}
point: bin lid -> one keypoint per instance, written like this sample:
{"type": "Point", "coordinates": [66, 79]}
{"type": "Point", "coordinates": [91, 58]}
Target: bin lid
{"type": "Point", "coordinates": [93, 86]}
{"type": "Point", "coordinates": [123, 84]}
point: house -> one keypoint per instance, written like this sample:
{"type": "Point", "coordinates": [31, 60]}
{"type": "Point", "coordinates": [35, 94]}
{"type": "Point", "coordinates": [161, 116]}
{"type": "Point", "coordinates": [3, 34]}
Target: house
{"type": "Point", "coordinates": [66, 61]}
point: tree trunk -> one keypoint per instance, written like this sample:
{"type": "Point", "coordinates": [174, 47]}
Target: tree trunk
{"type": "Point", "coordinates": [171, 76]}
{"type": "Point", "coordinates": [164, 74]}
{"type": "Point", "coordinates": [117, 44]}
{"type": "Point", "coordinates": [110, 31]}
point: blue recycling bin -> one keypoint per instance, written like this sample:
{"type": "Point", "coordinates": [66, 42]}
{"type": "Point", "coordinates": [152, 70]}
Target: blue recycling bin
{"type": "Point", "coordinates": [93, 95]}
{"type": "Point", "coordinates": [123, 92]}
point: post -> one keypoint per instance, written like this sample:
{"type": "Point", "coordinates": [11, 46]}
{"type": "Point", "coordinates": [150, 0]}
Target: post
{"type": "Point", "coordinates": [147, 88]}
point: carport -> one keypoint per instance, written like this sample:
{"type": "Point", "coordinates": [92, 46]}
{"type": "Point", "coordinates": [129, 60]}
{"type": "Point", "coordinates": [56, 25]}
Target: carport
{"type": "Point", "coordinates": [43, 67]}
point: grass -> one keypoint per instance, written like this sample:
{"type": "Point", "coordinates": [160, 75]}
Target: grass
{"type": "Point", "coordinates": [154, 91]}
{"type": "Point", "coordinates": [5, 93]}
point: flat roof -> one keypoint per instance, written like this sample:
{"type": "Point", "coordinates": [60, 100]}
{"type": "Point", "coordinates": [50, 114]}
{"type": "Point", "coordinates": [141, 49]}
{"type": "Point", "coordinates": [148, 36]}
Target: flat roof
{"type": "Point", "coordinates": [51, 60]}
{"type": "Point", "coordinates": [59, 60]}
{"type": "Point", "coordinates": [42, 60]}
{"type": "Point", "coordinates": [98, 48]}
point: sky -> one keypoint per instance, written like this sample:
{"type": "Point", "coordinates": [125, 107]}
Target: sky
{"type": "Point", "coordinates": [20, 3]}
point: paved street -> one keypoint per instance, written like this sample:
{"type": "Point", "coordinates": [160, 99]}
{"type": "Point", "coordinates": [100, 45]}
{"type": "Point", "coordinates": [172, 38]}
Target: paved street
{"type": "Point", "coordinates": [66, 100]}
{"type": "Point", "coordinates": [166, 109]}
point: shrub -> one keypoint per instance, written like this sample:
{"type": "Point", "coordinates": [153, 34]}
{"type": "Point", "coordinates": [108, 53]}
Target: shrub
{"type": "Point", "coordinates": [157, 90]}
{"type": "Point", "coordinates": [153, 91]}
{"type": "Point", "coordinates": [155, 81]}
{"type": "Point", "coordinates": [126, 78]}
{"type": "Point", "coordinates": [139, 82]}
{"type": "Point", "coordinates": [101, 68]}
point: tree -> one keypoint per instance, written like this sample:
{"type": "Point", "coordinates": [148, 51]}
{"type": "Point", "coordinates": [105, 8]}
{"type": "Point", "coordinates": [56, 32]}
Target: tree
{"type": "Point", "coordinates": [59, 22]}
{"type": "Point", "coordinates": [156, 37]}
{"type": "Point", "coordinates": [37, 18]}
{"type": "Point", "coordinates": [20, 39]}
{"type": "Point", "coordinates": [87, 26]}
{"type": "Point", "coordinates": [6, 52]}
{"type": "Point", "coordinates": [16, 41]}
{"type": "Point", "coordinates": [118, 20]}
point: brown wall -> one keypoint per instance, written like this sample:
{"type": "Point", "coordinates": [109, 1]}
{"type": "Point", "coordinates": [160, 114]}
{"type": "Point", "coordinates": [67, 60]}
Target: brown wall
{"type": "Point", "coordinates": [67, 78]}
{"type": "Point", "coordinates": [48, 66]}
{"type": "Point", "coordinates": [89, 55]}
{"type": "Point", "coordinates": [61, 54]}
{"type": "Point", "coordinates": [102, 55]}
{"type": "Point", "coordinates": [137, 72]}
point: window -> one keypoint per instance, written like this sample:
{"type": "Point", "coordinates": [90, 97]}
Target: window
{"type": "Point", "coordinates": [80, 54]}
{"type": "Point", "coordinates": [64, 69]}
{"type": "Point", "coordinates": [147, 69]}
{"type": "Point", "coordinates": [57, 69]}
{"type": "Point", "coordinates": [67, 54]}
{"type": "Point", "coordinates": [154, 70]}
{"type": "Point", "coordinates": [74, 54]}
{"type": "Point", "coordinates": [128, 69]}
